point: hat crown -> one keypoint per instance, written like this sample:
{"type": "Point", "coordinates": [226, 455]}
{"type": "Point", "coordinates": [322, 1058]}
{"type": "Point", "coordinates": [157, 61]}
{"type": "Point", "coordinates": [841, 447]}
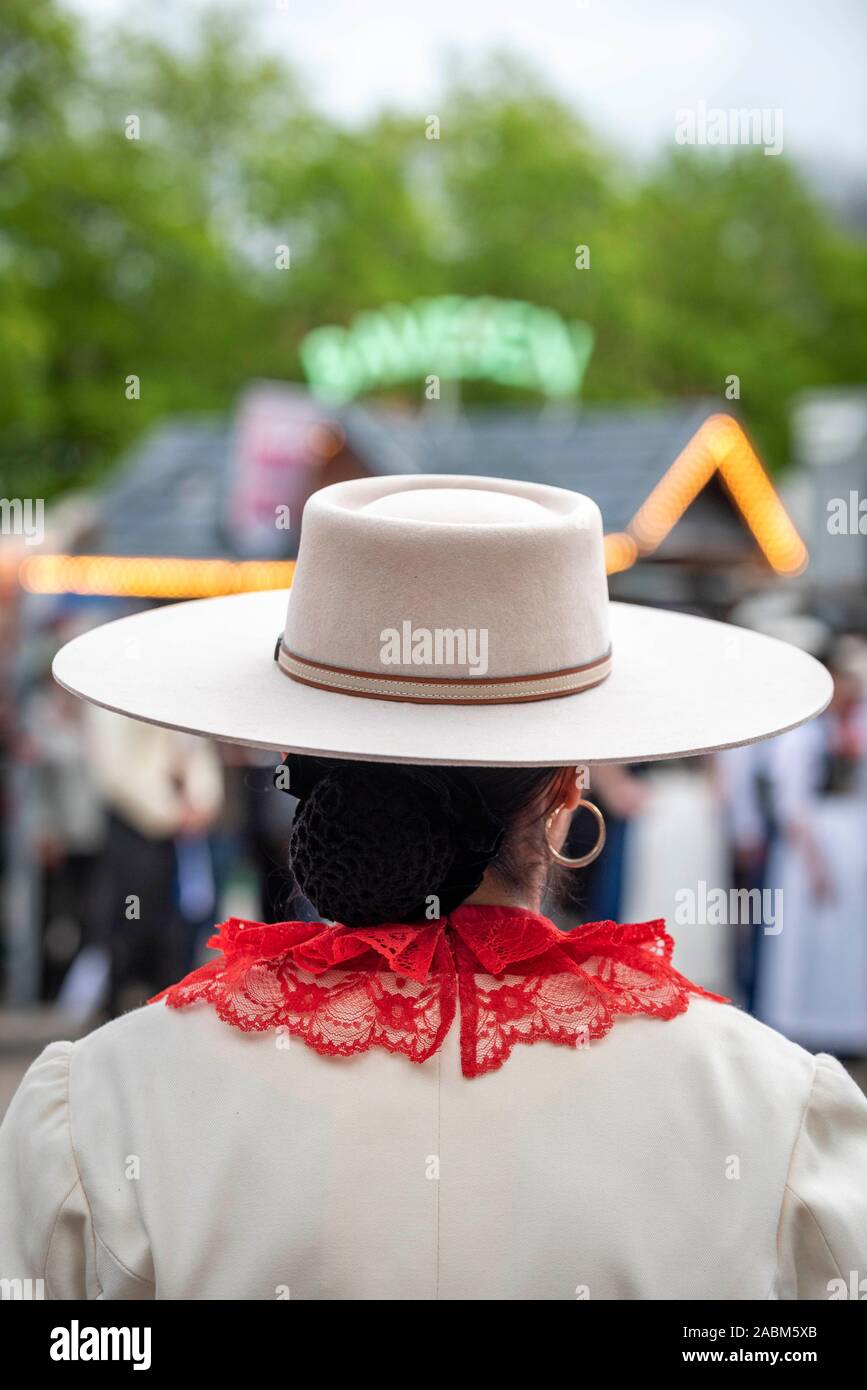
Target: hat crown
{"type": "Point", "coordinates": [457, 507]}
{"type": "Point", "coordinates": [469, 577]}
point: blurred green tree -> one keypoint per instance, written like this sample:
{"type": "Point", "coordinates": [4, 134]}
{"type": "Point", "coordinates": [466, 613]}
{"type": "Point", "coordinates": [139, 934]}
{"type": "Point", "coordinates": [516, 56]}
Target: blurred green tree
{"type": "Point", "coordinates": [158, 256]}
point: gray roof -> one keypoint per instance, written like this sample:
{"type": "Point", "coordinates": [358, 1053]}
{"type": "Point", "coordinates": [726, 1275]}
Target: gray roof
{"type": "Point", "coordinates": [169, 496]}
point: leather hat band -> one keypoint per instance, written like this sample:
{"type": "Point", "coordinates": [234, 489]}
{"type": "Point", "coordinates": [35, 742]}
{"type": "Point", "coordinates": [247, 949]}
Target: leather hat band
{"type": "Point", "coordinates": [500, 690]}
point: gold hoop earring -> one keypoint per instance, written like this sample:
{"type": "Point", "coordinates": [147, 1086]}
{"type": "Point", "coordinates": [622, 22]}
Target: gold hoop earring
{"type": "Point", "coordinates": [585, 858]}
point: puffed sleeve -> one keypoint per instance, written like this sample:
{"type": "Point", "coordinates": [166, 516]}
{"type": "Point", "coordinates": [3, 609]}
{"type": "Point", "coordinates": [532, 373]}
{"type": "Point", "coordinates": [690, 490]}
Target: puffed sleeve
{"type": "Point", "coordinates": [822, 1244]}
{"type": "Point", "coordinates": [46, 1231]}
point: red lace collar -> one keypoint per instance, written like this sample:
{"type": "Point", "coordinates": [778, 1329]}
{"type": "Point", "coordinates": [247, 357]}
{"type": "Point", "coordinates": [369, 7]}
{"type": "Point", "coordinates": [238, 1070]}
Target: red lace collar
{"type": "Point", "coordinates": [518, 978]}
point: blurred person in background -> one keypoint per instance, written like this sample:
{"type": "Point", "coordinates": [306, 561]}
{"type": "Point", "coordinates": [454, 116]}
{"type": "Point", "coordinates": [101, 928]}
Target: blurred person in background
{"type": "Point", "coordinates": [267, 823]}
{"type": "Point", "coordinates": [742, 778]}
{"type": "Point", "coordinates": [812, 982]}
{"type": "Point", "coordinates": [71, 821]}
{"type": "Point", "coordinates": [743, 783]}
{"type": "Point", "coordinates": [675, 846]}
{"type": "Point", "coordinates": [597, 891]}
{"type": "Point", "coordinates": [157, 883]}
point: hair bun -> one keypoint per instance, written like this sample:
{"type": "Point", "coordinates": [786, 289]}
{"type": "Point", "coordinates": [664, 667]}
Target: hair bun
{"type": "Point", "coordinates": [372, 843]}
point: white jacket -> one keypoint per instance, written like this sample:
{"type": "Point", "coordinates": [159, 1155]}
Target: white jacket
{"type": "Point", "coordinates": [168, 1155]}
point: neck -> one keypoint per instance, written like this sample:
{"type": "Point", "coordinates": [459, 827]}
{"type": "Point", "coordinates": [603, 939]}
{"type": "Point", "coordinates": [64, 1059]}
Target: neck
{"type": "Point", "coordinates": [492, 892]}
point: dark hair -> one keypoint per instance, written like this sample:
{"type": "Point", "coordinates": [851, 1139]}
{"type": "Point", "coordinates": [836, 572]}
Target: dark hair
{"type": "Point", "coordinates": [374, 842]}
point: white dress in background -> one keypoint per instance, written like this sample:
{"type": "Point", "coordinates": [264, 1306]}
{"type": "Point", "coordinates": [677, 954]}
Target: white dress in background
{"type": "Point", "coordinates": [813, 975]}
{"type": "Point", "coordinates": [678, 842]}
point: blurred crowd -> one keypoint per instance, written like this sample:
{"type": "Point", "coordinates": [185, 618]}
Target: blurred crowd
{"type": "Point", "coordinates": [126, 842]}
{"type": "Point", "coordinates": [757, 859]}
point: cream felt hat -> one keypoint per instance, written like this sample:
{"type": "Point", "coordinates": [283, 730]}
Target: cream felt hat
{"type": "Point", "coordinates": [455, 620]}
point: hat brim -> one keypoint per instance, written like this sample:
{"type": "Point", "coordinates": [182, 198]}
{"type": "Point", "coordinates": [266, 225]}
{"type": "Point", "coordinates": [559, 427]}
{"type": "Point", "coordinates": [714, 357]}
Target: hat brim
{"type": "Point", "coordinates": [680, 685]}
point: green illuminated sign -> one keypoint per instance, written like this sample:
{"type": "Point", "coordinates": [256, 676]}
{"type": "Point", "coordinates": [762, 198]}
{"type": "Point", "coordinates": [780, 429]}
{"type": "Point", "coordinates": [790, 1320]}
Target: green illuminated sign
{"type": "Point", "coordinates": [451, 338]}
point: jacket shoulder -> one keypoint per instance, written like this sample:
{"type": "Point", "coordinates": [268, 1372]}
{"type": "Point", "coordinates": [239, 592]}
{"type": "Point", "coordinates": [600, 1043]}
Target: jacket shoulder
{"type": "Point", "coordinates": [712, 1025]}
{"type": "Point", "coordinates": [726, 1030]}
{"type": "Point", "coordinates": [154, 1038]}
{"type": "Point", "coordinates": [723, 1052]}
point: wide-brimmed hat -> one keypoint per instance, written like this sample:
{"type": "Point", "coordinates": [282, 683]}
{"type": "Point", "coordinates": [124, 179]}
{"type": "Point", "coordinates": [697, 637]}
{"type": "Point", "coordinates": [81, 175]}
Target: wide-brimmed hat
{"type": "Point", "coordinates": [454, 620]}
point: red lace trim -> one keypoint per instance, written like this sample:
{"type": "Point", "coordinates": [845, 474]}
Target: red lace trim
{"type": "Point", "coordinates": [519, 979]}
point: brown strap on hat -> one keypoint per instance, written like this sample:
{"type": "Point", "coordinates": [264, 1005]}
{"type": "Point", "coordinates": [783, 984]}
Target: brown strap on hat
{"type": "Point", "coordinates": [496, 690]}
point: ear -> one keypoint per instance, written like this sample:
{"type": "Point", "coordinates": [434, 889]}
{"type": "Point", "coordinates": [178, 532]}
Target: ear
{"type": "Point", "coordinates": [570, 789]}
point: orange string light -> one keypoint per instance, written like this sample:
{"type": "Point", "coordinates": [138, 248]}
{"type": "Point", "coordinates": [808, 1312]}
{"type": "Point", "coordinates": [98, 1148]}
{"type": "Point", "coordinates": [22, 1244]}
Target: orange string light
{"type": "Point", "coordinates": [721, 446]}
{"type": "Point", "coordinates": [621, 552]}
{"type": "Point", "coordinates": [167, 577]}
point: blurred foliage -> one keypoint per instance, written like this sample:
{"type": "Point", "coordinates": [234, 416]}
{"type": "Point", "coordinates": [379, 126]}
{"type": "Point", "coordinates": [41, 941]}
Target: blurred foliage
{"type": "Point", "coordinates": [156, 256]}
